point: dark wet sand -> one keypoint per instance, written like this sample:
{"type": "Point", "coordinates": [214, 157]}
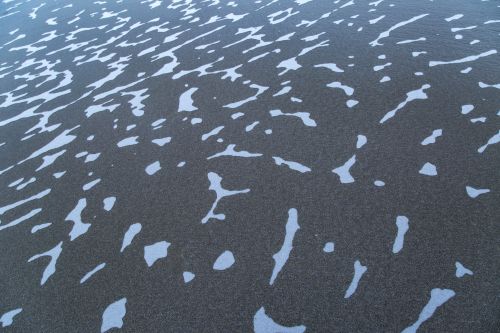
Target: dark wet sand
{"type": "Point", "coordinates": [446, 225]}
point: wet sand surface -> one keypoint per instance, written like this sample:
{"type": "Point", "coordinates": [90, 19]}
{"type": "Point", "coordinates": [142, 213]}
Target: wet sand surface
{"type": "Point", "coordinates": [254, 166]}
